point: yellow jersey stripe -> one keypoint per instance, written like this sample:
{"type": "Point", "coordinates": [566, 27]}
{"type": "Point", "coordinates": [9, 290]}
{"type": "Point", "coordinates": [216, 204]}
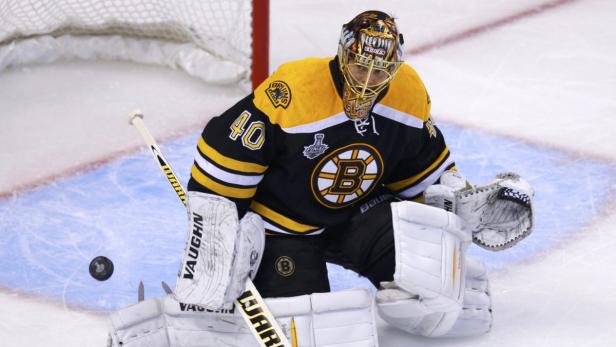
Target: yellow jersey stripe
{"type": "Point", "coordinates": [230, 192]}
{"type": "Point", "coordinates": [292, 113]}
{"type": "Point", "coordinates": [227, 162]}
{"type": "Point", "coordinates": [280, 219]}
{"type": "Point", "coordinates": [405, 183]}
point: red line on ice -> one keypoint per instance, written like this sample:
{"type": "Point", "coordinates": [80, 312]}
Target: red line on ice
{"type": "Point", "coordinates": [472, 32]}
{"type": "Point", "coordinates": [466, 34]}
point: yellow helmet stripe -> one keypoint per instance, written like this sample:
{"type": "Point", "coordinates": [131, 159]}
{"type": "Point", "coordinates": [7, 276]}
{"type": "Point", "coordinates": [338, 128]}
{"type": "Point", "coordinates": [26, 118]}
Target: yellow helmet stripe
{"type": "Point", "coordinates": [228, 191]}
{"type": "Point", "coordinates": [280, 219]}
{"type": "Point", "coordinates": [227, 162]}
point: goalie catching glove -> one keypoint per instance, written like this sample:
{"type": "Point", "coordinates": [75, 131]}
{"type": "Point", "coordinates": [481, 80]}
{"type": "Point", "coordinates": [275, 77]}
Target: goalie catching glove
{"type": "Point", "coordinates": [499, 214]}
{"type": "Point", "coordinates": [221, 252]}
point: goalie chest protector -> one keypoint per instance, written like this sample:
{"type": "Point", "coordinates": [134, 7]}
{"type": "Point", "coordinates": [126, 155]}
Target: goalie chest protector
{"type": "Point", "coordinates": [289, 153]}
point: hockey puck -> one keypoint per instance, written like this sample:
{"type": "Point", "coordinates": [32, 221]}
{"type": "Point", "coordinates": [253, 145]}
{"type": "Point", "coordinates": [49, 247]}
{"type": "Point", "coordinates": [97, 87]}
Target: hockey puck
{"type": "Point", "coordinates": [101, 268]}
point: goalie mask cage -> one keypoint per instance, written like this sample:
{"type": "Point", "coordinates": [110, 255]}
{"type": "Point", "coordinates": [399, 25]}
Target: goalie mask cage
{"type": "Point", "coordinates": [218, 41]}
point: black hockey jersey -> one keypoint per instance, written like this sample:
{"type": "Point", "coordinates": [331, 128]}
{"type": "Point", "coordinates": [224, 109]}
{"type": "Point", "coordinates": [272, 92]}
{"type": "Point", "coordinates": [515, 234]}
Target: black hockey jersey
{"type": "Point", "coordinates": [289, 153]}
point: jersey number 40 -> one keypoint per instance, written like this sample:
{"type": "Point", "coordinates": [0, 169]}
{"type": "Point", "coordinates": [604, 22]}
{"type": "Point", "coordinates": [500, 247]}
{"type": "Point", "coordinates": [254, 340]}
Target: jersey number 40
{"type": "Point", "coordinates": [252, 134]}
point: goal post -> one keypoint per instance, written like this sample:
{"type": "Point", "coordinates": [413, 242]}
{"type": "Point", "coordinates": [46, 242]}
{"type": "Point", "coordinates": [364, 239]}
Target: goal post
{"type": "Point", "coordinates": [260, 41]}
{"type": "Point", "coordinates": [218, 41]}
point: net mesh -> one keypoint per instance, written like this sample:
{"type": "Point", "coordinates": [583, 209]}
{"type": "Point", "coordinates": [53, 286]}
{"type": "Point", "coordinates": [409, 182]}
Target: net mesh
{"type": "Point", "coordinates": [221, 28]}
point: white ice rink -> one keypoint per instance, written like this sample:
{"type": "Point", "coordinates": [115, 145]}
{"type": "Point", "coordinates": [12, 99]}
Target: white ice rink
{"type": "Point", "coordinates": [527, 86]}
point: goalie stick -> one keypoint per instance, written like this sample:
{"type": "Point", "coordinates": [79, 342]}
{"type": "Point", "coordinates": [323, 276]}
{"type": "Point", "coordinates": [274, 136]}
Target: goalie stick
{"type": "Point", "coordinates": [260, 320]}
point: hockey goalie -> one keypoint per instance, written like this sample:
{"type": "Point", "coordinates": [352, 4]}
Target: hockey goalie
{"type": "Point", "coordinates": [333, 160]}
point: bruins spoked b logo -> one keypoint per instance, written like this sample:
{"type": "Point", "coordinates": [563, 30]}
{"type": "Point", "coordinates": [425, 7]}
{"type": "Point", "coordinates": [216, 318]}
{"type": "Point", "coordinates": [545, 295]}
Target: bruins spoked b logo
{"type": "Point", "coordinates": [346, 175]}
{"type": "Point", "coordinates": [285, 266]}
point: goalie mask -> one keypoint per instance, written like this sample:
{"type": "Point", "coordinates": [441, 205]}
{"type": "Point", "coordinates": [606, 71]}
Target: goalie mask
{"type": "Point", "coordinates": [369, 54]}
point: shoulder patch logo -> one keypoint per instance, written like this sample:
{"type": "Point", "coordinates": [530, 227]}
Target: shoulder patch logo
{"type": "Point", "coordinates": [317, 148]}
{"type": "Point", "coordinates": [279, 94]}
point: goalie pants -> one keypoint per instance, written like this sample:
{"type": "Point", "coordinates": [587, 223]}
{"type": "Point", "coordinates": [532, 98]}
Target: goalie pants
{"type": "Point", "coordinates": [296, 265]}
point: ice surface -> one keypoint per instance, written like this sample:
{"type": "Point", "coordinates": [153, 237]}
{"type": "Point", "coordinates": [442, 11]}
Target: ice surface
{"type": "Point", "coordinates": [127, 211]}
{"type": "Point", "coordinates": [534, 95]}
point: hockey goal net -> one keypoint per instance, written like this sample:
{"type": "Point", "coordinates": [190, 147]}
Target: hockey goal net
{"type": "Point", "coordinates": [219, 41]}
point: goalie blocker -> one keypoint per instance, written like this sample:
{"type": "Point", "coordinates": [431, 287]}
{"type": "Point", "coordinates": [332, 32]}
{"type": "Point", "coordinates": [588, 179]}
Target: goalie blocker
{"type": "Point", "coordinates": [221, 252]}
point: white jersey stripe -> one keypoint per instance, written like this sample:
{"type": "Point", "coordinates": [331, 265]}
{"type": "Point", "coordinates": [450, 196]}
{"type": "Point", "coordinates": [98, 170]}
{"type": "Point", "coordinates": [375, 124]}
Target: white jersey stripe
{"type": "Point", "coordinates": [428, 181]}
{"type": "Point", "coordinates": [225, 176]}
{"type": "Point", "coordinates": [380, 109]}
{"type": "Point", "coordinates": [400, 117]}
{"type": "Point", "coordinates": [318, 125]}
{"type": "Point", "coordinates": [269, 226]}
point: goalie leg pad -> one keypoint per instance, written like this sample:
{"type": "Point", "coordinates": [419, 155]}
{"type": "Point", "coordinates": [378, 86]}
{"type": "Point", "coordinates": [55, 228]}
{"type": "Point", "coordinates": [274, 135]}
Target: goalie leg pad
{"type": "Point", "coordinates": [476, 316]}
{"type": "Point", "coordinates": [406, 311]}
{"type": "Point", "coordinates": [427, 293]}
{"type": "Point", "coordinates": [190, 325]}
{"type": "Point", "coordinates": [165, 322]}
{"type": "Point", "coordinates": [337, 319]}
{"type": "Point", "coordinates": [430, 244]}
{"type": "Point", "coordinates": [139, 325]}
{"type": "Point", "coordinates": [220, 253]}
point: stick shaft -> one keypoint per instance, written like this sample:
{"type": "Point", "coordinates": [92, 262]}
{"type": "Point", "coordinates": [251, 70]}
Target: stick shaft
{"type": "Point", "coordinates": [252, 306]}
{"type": "Point", "coordinates": [137, 121]}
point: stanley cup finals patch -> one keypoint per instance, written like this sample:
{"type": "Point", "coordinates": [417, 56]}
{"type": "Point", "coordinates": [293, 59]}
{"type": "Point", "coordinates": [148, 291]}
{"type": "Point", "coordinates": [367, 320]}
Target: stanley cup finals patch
{"type": "Point", "coordinates": [279, 94]}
